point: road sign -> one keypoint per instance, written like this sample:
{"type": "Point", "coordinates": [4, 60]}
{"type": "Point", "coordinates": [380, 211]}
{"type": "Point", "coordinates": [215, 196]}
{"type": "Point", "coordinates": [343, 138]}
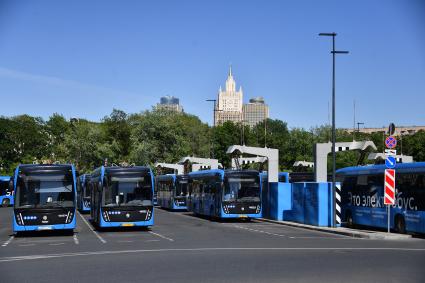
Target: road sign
{"type": "Point", "coordinates": [390, 162]}
{"type": "Point", "coordinates": [389, 196]}
{"type": "Point", "coordinates": [391, 129]}
{"type": "Point", "coordinates": [390, 142]}
{"type": "Point", "coordinates": [390, 152]}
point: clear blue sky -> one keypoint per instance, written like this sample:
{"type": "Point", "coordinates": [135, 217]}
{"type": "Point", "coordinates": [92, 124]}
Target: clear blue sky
{"type": "Point", "coordinates": [84, 58]}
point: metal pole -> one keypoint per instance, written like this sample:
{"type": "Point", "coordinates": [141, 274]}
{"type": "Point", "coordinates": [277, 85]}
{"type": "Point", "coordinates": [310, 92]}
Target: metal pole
{"type": "Point", "coordinates": [333, 120]}
{"type": "Point", "coordinates": [388, 218]}
{"type": "Point", "coordinates": [333, 127]}
{"type": "Point", "coordinates": [214, 109]}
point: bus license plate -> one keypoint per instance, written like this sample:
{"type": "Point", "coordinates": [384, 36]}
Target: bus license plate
{"type": "Point", "coordinates": [44, 228]}
{"type": "Point", "coordinates": [243, 216]}
{"type": "Point", "coordinates": [127, 224]}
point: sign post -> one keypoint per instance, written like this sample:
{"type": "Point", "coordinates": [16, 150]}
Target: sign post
{"type": "Point", "coordinates": [389, 191]}
{"type": "Point", "coordinates": [390, 163]}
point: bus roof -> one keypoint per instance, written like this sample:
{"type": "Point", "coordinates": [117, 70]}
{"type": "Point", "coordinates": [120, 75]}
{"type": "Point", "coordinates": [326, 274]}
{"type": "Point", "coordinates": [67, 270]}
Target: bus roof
{"type": "Point", "coordinates": [5, 178]}
{"type": "Point", "coordinates": [33, 168]}
{"type": "Point", "coordinates": [214, 172]}
{"type": "Point", "coordinates": [374, 169]}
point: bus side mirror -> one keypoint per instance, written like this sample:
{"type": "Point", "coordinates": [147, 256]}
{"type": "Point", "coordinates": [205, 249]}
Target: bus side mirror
{"type": "Point", "coordinates": [11, 185]}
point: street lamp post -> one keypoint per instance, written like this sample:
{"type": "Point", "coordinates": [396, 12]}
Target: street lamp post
{"type": "Point", "coordinates": [214, 110]}
{"type": "Point", "coordinates": [214, 107]}
{"type": "Point", "coordinates": [333, 52]}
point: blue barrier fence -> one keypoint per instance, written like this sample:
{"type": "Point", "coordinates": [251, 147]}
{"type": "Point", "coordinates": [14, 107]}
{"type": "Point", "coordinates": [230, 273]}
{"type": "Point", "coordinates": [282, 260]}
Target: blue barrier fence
{"type": "Point", "coordinates": [308, 203]}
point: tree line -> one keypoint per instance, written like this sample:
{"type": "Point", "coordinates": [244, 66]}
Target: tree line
{"type": "Point", "coordinates": [163, 136]}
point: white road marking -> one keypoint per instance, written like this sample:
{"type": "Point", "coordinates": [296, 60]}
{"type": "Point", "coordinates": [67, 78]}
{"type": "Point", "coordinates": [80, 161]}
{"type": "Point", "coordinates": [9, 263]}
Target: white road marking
{"type": "Point", "coordinates": [161, 236]}
{"type": "Point", "coordinates": [8, 241]}
{"type": "Point", "coordinates": [259, 231]}
{"type": "Point", "coordinates": [47, 256]}
{"type": "Point", "coordinates": [152, 241]}
{"type": "Point", "coordinates": [91, 228]}
{"type": "Point", "coordinates": [326, 238]}
{"type": "Point", "coordinates": [56, 244]}
{"type": "Point", "coordinates": [26, 245]}
{"type": "Point", "coordinates": [125, 241]}
{"type": "Point", "coordinates": [76, 241]}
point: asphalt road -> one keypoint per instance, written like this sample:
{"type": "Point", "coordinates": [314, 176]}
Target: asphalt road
{"type": "Point", "coordinates": [184, 248]}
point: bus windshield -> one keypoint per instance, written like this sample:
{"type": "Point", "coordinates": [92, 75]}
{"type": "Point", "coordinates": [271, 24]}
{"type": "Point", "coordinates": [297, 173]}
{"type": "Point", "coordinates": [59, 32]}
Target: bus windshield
{"type": "Point", "coordinates": [44, 190]}
{"type": "Point", "coordinates": [130, 191]}
{"type": "Point", "coordinates": [181, 188]}
{"type": "Point", "coordinates": [86, 188]}
{"type": "Point", "coordinates": [241, 188]}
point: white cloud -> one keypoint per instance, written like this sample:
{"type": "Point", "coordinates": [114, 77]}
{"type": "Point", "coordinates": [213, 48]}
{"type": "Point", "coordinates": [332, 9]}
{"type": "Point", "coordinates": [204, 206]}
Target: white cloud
{"type": "Point", "coordinates": [55, 81]}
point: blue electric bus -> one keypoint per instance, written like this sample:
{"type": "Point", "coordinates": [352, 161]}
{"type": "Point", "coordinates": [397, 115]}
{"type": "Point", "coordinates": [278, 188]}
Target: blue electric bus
{"type": "Point", "coordinates": [6, 194]}
{"type": "Point", "coordinates": [362, 197]}
{"type": "Point", "coordinates": [122, 196]}
{"type": "Point", "coordinates": [172, 191]}
{"type": "Point", "coordinates": [83, 193]}
{"type": "Point", "coordinates": [45, 197]}
{"type": "Point", "coordinates": [225, 194]}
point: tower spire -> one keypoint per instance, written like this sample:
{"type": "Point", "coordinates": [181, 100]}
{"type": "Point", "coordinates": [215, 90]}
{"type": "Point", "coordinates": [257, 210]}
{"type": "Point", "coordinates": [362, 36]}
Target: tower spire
{"type": "Point", "coordinates": [230, 70]}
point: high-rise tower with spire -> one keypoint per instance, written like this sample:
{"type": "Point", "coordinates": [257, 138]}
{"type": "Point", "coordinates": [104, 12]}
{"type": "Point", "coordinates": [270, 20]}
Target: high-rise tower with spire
{"type": "Point", "coordinates": [229, 103]}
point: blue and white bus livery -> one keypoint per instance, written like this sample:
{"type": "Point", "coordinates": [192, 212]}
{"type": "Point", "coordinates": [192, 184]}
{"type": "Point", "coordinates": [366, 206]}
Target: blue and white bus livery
{"type": "Point", "coordinates": [83, 193]}
{"type": "Point", "coordinates": [363, 197]}
{"type": "Point", "coordinates": [45, 197]}
{"type": "Point", "coordinates": [225, 194]}
{"type": "Point", "coordinates": [122, 196]}
{"type": "Point", "coordinates": [172, 191]}
{"type": "Point", "coordinates": [6, 193]}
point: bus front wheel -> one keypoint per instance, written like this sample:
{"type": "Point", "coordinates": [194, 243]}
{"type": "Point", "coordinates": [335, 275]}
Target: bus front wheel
{"type": "Point", "coordinates": [400, 225]}
{"type": "Point", "coordinates": [5, 202]}
{"type": "Point", "coordinates": [349, 219]}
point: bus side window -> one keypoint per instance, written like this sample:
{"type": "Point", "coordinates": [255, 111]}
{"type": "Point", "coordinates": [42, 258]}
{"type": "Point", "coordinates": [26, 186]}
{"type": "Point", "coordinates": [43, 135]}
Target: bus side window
{"type": "Point", "coordinates": [348, 188]}
{"type": "Point", "coordinates": [375, 184]}
{"type": "Point", "coordinates": [420, 192]}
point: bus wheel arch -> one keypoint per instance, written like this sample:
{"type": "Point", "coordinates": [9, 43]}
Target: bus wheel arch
{"type": "Point", "coordinates": [400, 224]}
{"type": "Point", "coordinates": [349, 219]}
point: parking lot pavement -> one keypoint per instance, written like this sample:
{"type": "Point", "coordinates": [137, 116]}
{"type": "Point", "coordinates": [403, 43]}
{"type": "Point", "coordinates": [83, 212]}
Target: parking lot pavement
{"type": "Point", "coordinates": [181, 247]}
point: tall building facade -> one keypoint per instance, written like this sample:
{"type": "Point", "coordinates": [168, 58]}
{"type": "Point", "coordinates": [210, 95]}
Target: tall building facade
{"type": "Point", "coordinates": [169, 103]}
{"type": "Point", "coordinates": [229, 102]}
{"type": "Point", "coordinates": [255, 111]}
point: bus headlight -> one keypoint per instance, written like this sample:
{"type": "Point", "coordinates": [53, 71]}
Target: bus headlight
{"type": "Point", "coordinates": [226, 209]}
{"type": "Point", "coordinates": [69, 217]}
{"type": "Point", "coordinates": [106, 216]}
{"type": "Point", "coordinates": [258, 209]}
{"type": "Point", "coordinates": [148, 215]}
{"type": "Point", "coordinates": [19, 219]}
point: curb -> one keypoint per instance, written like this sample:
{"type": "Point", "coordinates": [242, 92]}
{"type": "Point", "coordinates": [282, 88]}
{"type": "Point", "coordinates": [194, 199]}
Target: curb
{"type": "Point", "coordinates": [374, 235]}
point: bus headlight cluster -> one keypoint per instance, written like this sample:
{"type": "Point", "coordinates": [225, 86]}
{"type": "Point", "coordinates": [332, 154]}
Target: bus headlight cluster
{"type": "Point", "coordinates": [148, 215]}
{"type": "Point", "coordinates": [19, 219]}
{"type": "Point", "coordinates": [226, 209]}
{"type": "Point", "coordinates": [106, 216]}
{"type": "Point", "coordinates": [69, 217]}
{"type": "Point", "coordinates": [114, 212]}
{"type": "Point", "coordinates": [258, 209]}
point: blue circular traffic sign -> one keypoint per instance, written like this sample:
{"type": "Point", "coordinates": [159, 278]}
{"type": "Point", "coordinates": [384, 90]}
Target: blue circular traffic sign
{"type": "Point", "coordinates": [390, 142]}
{"type": "Point", "coordinates": [390, 162]}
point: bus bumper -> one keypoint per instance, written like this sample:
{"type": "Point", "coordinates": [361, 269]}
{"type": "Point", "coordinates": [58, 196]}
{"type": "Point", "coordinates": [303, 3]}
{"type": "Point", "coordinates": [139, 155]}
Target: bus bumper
{"type": "Point", "coordinates": [251, 215]}
{"type": "Point", "coordinates": [182, 207]}
{"type": "Point", "coordinates": [105, 224]}
{"type": "Point", "coordinates": [22, 228]}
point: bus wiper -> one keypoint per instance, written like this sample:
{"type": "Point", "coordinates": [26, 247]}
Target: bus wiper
{"type": "Point", "coordinates": [27, 206]}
